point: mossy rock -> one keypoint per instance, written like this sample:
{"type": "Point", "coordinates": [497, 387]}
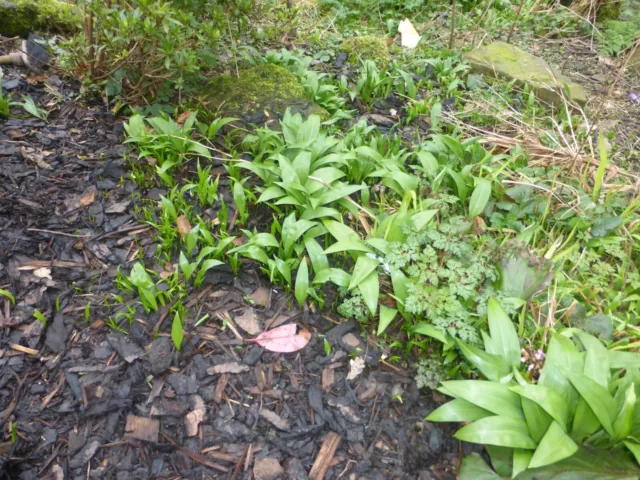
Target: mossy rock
{"type": "Point", "coordinates": [260, 95]}
{"type": "Point", "coordinates": [609, 10]}
{"type": "Point", "coordinates": [20, 17]}
{"type": "Point", "coordinates": [368, 47]}
{"type": "Point", "coordinates": [503, 60]}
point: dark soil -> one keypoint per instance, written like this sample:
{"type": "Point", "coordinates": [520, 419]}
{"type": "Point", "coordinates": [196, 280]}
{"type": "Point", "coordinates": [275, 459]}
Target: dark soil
{"type": "Point", "coordinates": [84, 400]}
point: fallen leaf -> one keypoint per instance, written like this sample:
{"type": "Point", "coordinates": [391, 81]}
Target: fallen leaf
{"type": "Point", "coordinates": [248, 322]}
{"type": "Point", "coordinates": [231, 367]}
{"type": "Point", "coordinates": [183, 116]}
{"type": "Point", "coordinates": [43, 273]}
{"type": "Point", "coordinates": [184, 227]}
{"type": "Point", "coordinates": [410, 37]}
{"type": "Point", "coordinates": [262, 297]}
{"type": "Point", "coordinates": [275, 419]}
{"type": "Point", "coordinates": [356, 366]}
{"type": "Point", "coordinates": [282, 339]}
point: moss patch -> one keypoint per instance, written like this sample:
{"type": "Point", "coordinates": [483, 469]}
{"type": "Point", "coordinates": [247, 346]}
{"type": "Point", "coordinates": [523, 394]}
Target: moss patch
{"type": "Point", "coordinates": [260, 95]}
{"type": "Point", "coordinates": [368, 47]}
{"type": "Point", "coordinates": [500, 59]}
{"type": "Point", "coordinates": [20, 17]}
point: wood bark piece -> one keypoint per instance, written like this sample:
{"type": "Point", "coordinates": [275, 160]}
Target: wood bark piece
{"type": "Point", "coordinates": [325, 456]}
{"type": "Point", "coordinates": [220, 387]}
{"type": "Point", "coordinates": [142, 428]}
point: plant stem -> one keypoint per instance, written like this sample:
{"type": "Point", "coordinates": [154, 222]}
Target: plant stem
{"type": "Point", "coordinates": [453, 24]}
{"type": "Point", "coordinates": [513, 26]}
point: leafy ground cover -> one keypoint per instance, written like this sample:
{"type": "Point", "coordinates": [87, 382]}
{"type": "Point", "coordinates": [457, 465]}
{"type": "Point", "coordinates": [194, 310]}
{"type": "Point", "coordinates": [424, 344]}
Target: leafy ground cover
{"type": "Point", "coordinates": [477, 237]}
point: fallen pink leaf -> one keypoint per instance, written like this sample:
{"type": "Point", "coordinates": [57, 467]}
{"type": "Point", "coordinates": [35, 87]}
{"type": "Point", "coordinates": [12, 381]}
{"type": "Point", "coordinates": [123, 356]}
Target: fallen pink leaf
{"type": "Point", "coordinates": [282, 339]}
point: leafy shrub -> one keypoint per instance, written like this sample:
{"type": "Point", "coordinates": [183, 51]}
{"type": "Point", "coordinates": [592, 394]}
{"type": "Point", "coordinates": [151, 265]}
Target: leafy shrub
{"type": "Point", "coordinates": [585, 396]}
{"type": "Point", "coordinates": [150, 48]}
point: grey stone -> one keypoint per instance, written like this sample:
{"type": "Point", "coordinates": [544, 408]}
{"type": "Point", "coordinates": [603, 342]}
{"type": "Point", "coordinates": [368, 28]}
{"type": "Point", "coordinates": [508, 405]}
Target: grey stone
{"type": "Point", "coordinates": [503, 60]}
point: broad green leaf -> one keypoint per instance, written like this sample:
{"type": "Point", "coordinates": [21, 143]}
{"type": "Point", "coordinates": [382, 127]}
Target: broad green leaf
{"type": "Point", "coordinates": [585, 422]}
{"type": "Point", "coordinates": [634, 448]}
{"type": "Point", "coordinates": [264, 240]}
{"type": "Point", "coordinates": [177, 334]}
{"type": "Point", "coordinates": [421, 219]}
{"type": "Point", "coordinates": [348, 245]}
{"type": "Point", "coordinates": [480, 197]}
{"type": "Point", "coordinates": [336, 193]}
{"type": "Point", "coordinates": [588, 464]}
{"type": "Point", "coordinates": [596, 362]}
{"type": "Point", "coordinates": [320, 213]}
{"type": "Point", "coordinates": [379, 244]}
{"type": "Point", "coordinates": [319, 260]}
{"type": "Point", "coordinates": [370, 290]}
{"type": "Point", "coordinates": [186, 267]}
{"type": "Point", "coordinates": [271, 193]}
{"type": "Point", "coordinates": [461, 186]}
{"type": "Point", "coordinates": [364, 266]}
{"type": "Point", "coordinates": [458, 410]}
{"type": "Point", "coordinates": [302, 282]}
{"type": "Point", "coordinates": [597, 397]}
{"type": "Point", "coordinates": [554, 446]}
{"type": "Point", "coordinates": [501, 459]}
{"type": "Point", "coordinates": [148, 298]}
{"type": "Point", "coordinates": [140, 278]}
{"type": "Point", "coordinates": [301, 164]}
{"type": "Point", "coordinates": [488, 343]}
{"type": "Point", "coordinates": [553, 378]}
{"type": "Point", "coordinates": [284, 268]}
{"type": "Point", "coordinates": [254, 252]}
{"type": "Point", "coordinates": [504, 337]}
{"type": "Point", "coordinates": [424, 328]}
{"type": "Point", "coordinates": [564, 354]}
{"type": "Point", "coordinates": [626, 360]}
{"type": "Point", "coordinates": [537, 419]}
{"type": "Point", "coordinates": [7, 294]}
{"type": "Point", "coordinates": [493, 396]}
{"type": "Point", "coordinates": [206, 265]}
{"type": "Point", "coordinates": [429, 163]}
{"type": "Point", "coordinates": [498, 430]}
{"type": "Point", "coordinates": [521, 460]}
{"type": "Point", "coordinates": [340, 231]}
{"type": "Point", "coordinates": [400, 287]}
{"type": "Point", "coordinates": [335, 275]}
{"type": "Point", "coordinates": [549, 400]}
{"type": "Point", "coordinates": [292, 230]}
{"type": "Point", "coordinates": [492, 367]}
{"type": "Point", "coordinates": [473, 467]}
{"type": "Point", "coordinates": [387, 315]}
{"type": "Point", "coordinates": [624, 421]}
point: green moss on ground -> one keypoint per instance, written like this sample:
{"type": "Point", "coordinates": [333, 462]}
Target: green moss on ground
{"type": "Point", "coordinates": [20, 17]}
{"type": "Point", "coordinates": [368, 47]}
{"type": "Point", "coordinates": [266, 89]}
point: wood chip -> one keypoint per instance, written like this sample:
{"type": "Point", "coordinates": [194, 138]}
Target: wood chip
{"type": "Point", "coordinates": [230, 367]}
{"type": "Point", "coordinates": [220, 387]}
{"type": "Point", "coordinates": [142, 428]}
{"type": "Point", "coordinates": [328, 378]}
{"type": "Point", "coordinates": [325, 456]}
{"type": "Point", "coordinates": [195, 417]}
{"type": "Point", "coordinates": [27, 350]}
{"type": "Point", "coordinates": [275, 419]}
